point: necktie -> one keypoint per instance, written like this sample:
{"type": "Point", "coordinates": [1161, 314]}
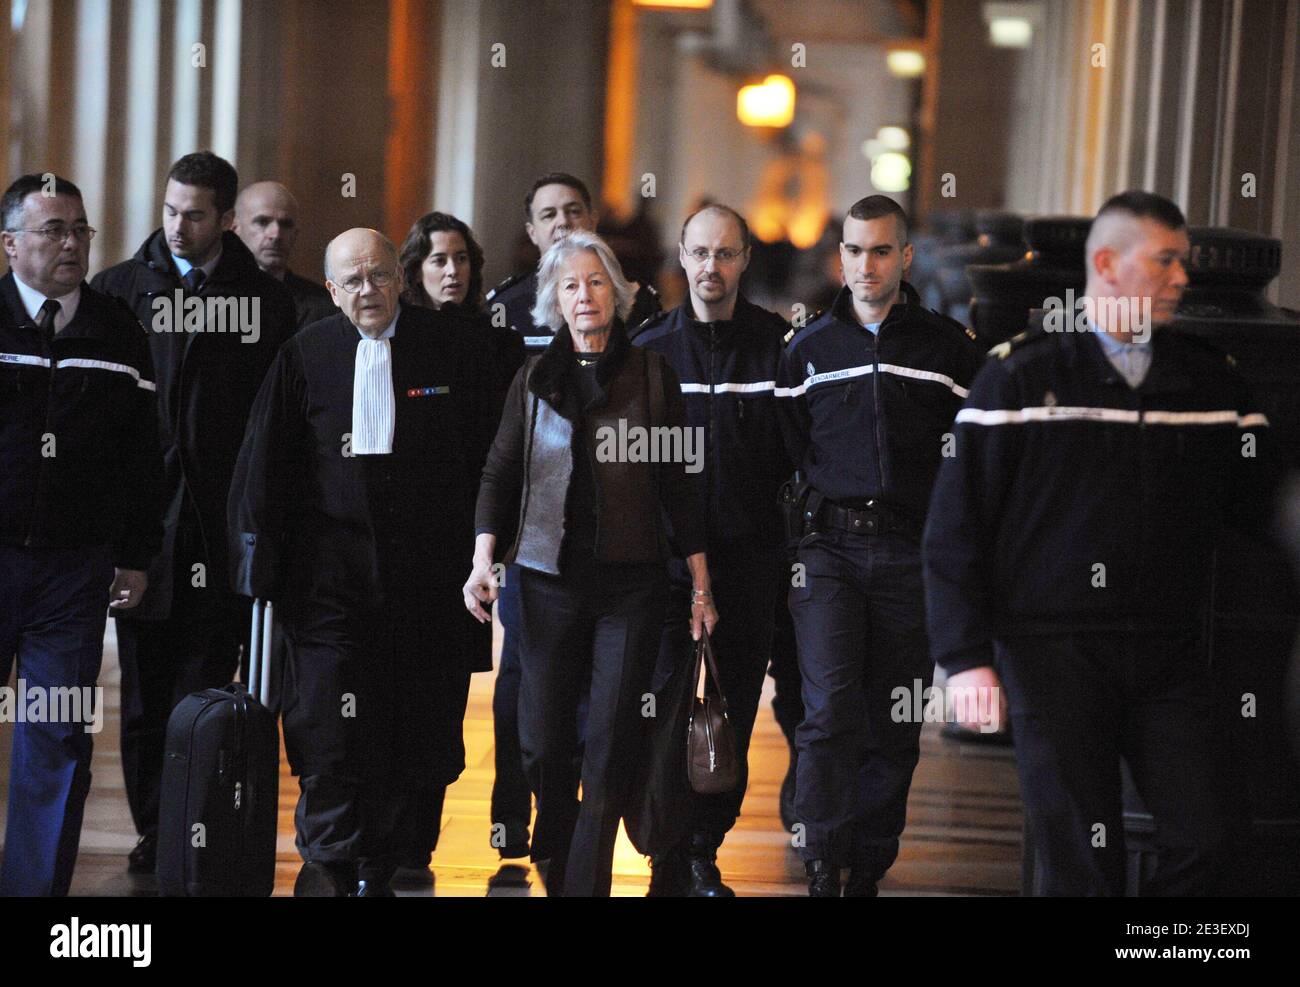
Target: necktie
{"type": "Point", "coordinates": [194, 279]}
{"type": "Point", "coordinates": [373, 406]}
{"type": "Point", "coordinates": [45, 319]}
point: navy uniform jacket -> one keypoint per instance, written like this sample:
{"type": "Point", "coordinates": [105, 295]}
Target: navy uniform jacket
{"type": "Point", "coordinates": [1075, 502]}
{"type": "Point", "coordinates": [866, 415]}
{"type": "Point", "coordinates": [728, 378]}
{"type": "Point", "coordinates": [80, 464]}
{"type": "Point", "coordinates": [518, 294]}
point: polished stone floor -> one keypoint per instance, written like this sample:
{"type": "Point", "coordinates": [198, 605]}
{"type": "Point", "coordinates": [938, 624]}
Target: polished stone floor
{"type": "Point", "coordinates": [963, 831]}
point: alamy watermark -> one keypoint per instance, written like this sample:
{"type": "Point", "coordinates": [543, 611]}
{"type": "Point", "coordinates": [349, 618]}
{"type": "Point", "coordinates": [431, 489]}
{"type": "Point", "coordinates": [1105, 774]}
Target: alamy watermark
{"type": "Point", "coordinates": [180, 312]}
{"type": "Point", "coordinates": [950, 704]}
{"type": "Point", "coordinates": [651, 444]}
{"type": "Point", "coordinates": [1123, 314]}
{"type": "Point", "coordinates": [53, 704]}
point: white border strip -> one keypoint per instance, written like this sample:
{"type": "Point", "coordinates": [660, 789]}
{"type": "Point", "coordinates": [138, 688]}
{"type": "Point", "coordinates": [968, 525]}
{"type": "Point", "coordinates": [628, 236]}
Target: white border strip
{"type": "Point", "coordinates": [889, 368]}
{"type": "Point", "coordinates": [757, 387]}
{"type": "Point", "coordinates": [32, 360]}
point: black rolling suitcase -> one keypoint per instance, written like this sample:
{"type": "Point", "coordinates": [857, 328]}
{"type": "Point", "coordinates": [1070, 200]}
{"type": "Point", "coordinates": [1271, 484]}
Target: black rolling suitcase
{"type": "Point", "coordinates": [220, 784]}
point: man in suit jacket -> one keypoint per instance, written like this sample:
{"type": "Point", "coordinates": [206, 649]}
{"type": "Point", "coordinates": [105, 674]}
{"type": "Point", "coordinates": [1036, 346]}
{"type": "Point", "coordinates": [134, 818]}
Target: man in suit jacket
{"type": "Point", "coordinates": [214, 323]}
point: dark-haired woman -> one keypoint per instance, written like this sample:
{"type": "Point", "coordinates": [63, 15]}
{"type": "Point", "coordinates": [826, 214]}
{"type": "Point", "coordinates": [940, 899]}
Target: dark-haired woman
{"type": "Point", "coordinates": [443, 264]}
{"type": "Point", "coordinates": [443, 267]}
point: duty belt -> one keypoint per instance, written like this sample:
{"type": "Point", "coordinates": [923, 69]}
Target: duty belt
{"type": "Point", "coordinates": [871, 520]}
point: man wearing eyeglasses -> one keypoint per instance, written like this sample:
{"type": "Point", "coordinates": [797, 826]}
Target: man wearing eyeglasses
{"type": "Point", "coordinates": [355, 486]}
{"type": "Point", "coordinates": [726, 351]}
{"type": "Point", "coordinates": [80, 518]}
{"type": "Point", "coordinates": [214, 322]}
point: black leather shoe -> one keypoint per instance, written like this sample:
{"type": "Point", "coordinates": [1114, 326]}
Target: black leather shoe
{"type": "Point", "coordinates": [787, 792]}
{"type": "Point", "coordinates": [669, 876]}
{"type": "Point", "coordinates": [317, 880]}
{"type": "Point", "coordinates": [860, 885]}
{"type": "Point", "coordinates": [823, 880]}
{"type": "Point", "coordinates": [516, 844]}
{"type": "Point", "coordinates": [144, 858]}
{"type": "Point", "coordinates": [373, 889]}
{"type": "Point", "coordinates": [410, 877]}
{"type": "Point", "coordinates": [706, 879]}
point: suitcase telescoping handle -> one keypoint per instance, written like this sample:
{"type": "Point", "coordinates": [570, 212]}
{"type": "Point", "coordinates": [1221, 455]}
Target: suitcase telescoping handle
{"type": "Point", "coordinates": [261, 648]}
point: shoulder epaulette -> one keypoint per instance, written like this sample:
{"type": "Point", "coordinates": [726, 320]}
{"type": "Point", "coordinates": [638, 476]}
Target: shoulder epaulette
{"type": "Point", "coordinates": [952, 323]}
{"type": "Point", "coordinates": [1005, 349]}
{"type": "Point", "coordinates": [646, 323]}
{"type": "Point", "coordinates": [796, 328]}
{"type": "Point", "coordinates": [509, 282]}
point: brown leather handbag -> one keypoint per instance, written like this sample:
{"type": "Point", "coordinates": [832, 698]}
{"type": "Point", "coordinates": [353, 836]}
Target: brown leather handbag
{"type": "Point", "coordinates": [711, 761]}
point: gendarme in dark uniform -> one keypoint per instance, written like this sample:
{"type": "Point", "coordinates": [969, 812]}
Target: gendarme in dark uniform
{"type": "Point", "coordinates": [867, 414]}
{"type": "Point", "coordinates": [727, 370]}
{"type": "Point", "coordinates": [1069, 549]}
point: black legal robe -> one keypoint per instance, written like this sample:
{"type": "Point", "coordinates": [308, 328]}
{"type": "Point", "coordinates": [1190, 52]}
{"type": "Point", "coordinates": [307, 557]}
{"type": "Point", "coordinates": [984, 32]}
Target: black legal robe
{"type": "Point", "coordinates": [364, 552]}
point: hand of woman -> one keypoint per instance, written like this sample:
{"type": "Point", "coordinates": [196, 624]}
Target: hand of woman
{"type": "Point", "coordinates": [480, 588]}
{"type": "Point", "coordinates": [703, 614]}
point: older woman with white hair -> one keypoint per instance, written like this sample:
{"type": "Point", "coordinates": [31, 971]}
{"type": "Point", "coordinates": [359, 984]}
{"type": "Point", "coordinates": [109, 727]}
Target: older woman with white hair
{"type": "Point", "coordinates": [577, 492]}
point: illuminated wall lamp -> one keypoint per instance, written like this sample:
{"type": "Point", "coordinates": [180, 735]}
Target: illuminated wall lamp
{"type": "Point", "coordinates": [891, 172]}
{"type": "Point", "coordinates": [906, 63]}
{"type": "Point", "coordinates": [1011, 25]}
{"type": "Point", "coordinates": [769, 103]}
{"type": "Point", "coordinates": [675, 4]}
{"type": "Point", "coordinates": [894, 138]}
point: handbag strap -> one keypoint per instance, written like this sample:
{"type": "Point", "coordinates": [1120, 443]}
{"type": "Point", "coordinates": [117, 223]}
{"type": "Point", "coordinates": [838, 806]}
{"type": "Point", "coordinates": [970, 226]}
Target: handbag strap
{"type": "Point", "coordinates": [704, 654]}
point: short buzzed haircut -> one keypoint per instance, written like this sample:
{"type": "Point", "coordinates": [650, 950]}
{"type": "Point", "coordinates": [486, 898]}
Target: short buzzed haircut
{"type": "Point", "coordinates": [204, 169]}
{"type": "Point", "coordinates": [1145, 205]}
{"type": "Point", "coordinates": [876, 206]}
{"type": "Point", "coordinates": [11, 205]}
{"type": "Point", "coordinates": [745, 236]}
{"type": "Point", "coordinates": [556, 178]}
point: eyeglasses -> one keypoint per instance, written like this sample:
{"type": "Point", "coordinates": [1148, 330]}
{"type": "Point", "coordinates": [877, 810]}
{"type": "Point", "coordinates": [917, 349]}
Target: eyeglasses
{"type": "Point", "coordinates": [724, 256]}
{"type": "Point", "coordinates": [60, 233]}
{"type": "Point", "coordinates": [380, 279]}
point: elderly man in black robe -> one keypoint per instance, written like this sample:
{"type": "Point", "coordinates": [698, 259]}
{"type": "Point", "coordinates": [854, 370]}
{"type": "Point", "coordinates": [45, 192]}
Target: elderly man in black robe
{"type": "Point", "coordinates": [351, 508]}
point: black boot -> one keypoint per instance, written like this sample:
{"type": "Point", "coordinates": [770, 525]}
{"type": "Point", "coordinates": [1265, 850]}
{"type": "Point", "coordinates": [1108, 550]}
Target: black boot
{"type": "Point", "coordinates": [669, 876]}
{"type": "Point", "coordinates": [144, 858]}
{"type": "Point", "coordinates": [823, 880]}
{"type": "Point", "coordinates": [705, 878]}
{"type": "Point", "coordinates": [861, 884]}
{"type": "Point", "coordinates": [320, 880]}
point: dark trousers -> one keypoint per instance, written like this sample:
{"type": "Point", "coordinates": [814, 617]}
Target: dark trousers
{"type": "Point", "coordinates": [163, 661]}
{"type": "Point", "coordinates": [744, 592]}
{"type": "Point", "coordinates": [592, 634]}
{"type": "Point", "coordinates": [787, 698]}
{"type": "Point", "coordinates": [373, 722]}
{"type": "Point", "coordinates": [52, 624]}
{"type": "Point", "coordinates": [1081, 702]}
{"type": "Point", "coordinates": [512, 801]}
{"type": "Point", "coordinates": [860, 623]}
